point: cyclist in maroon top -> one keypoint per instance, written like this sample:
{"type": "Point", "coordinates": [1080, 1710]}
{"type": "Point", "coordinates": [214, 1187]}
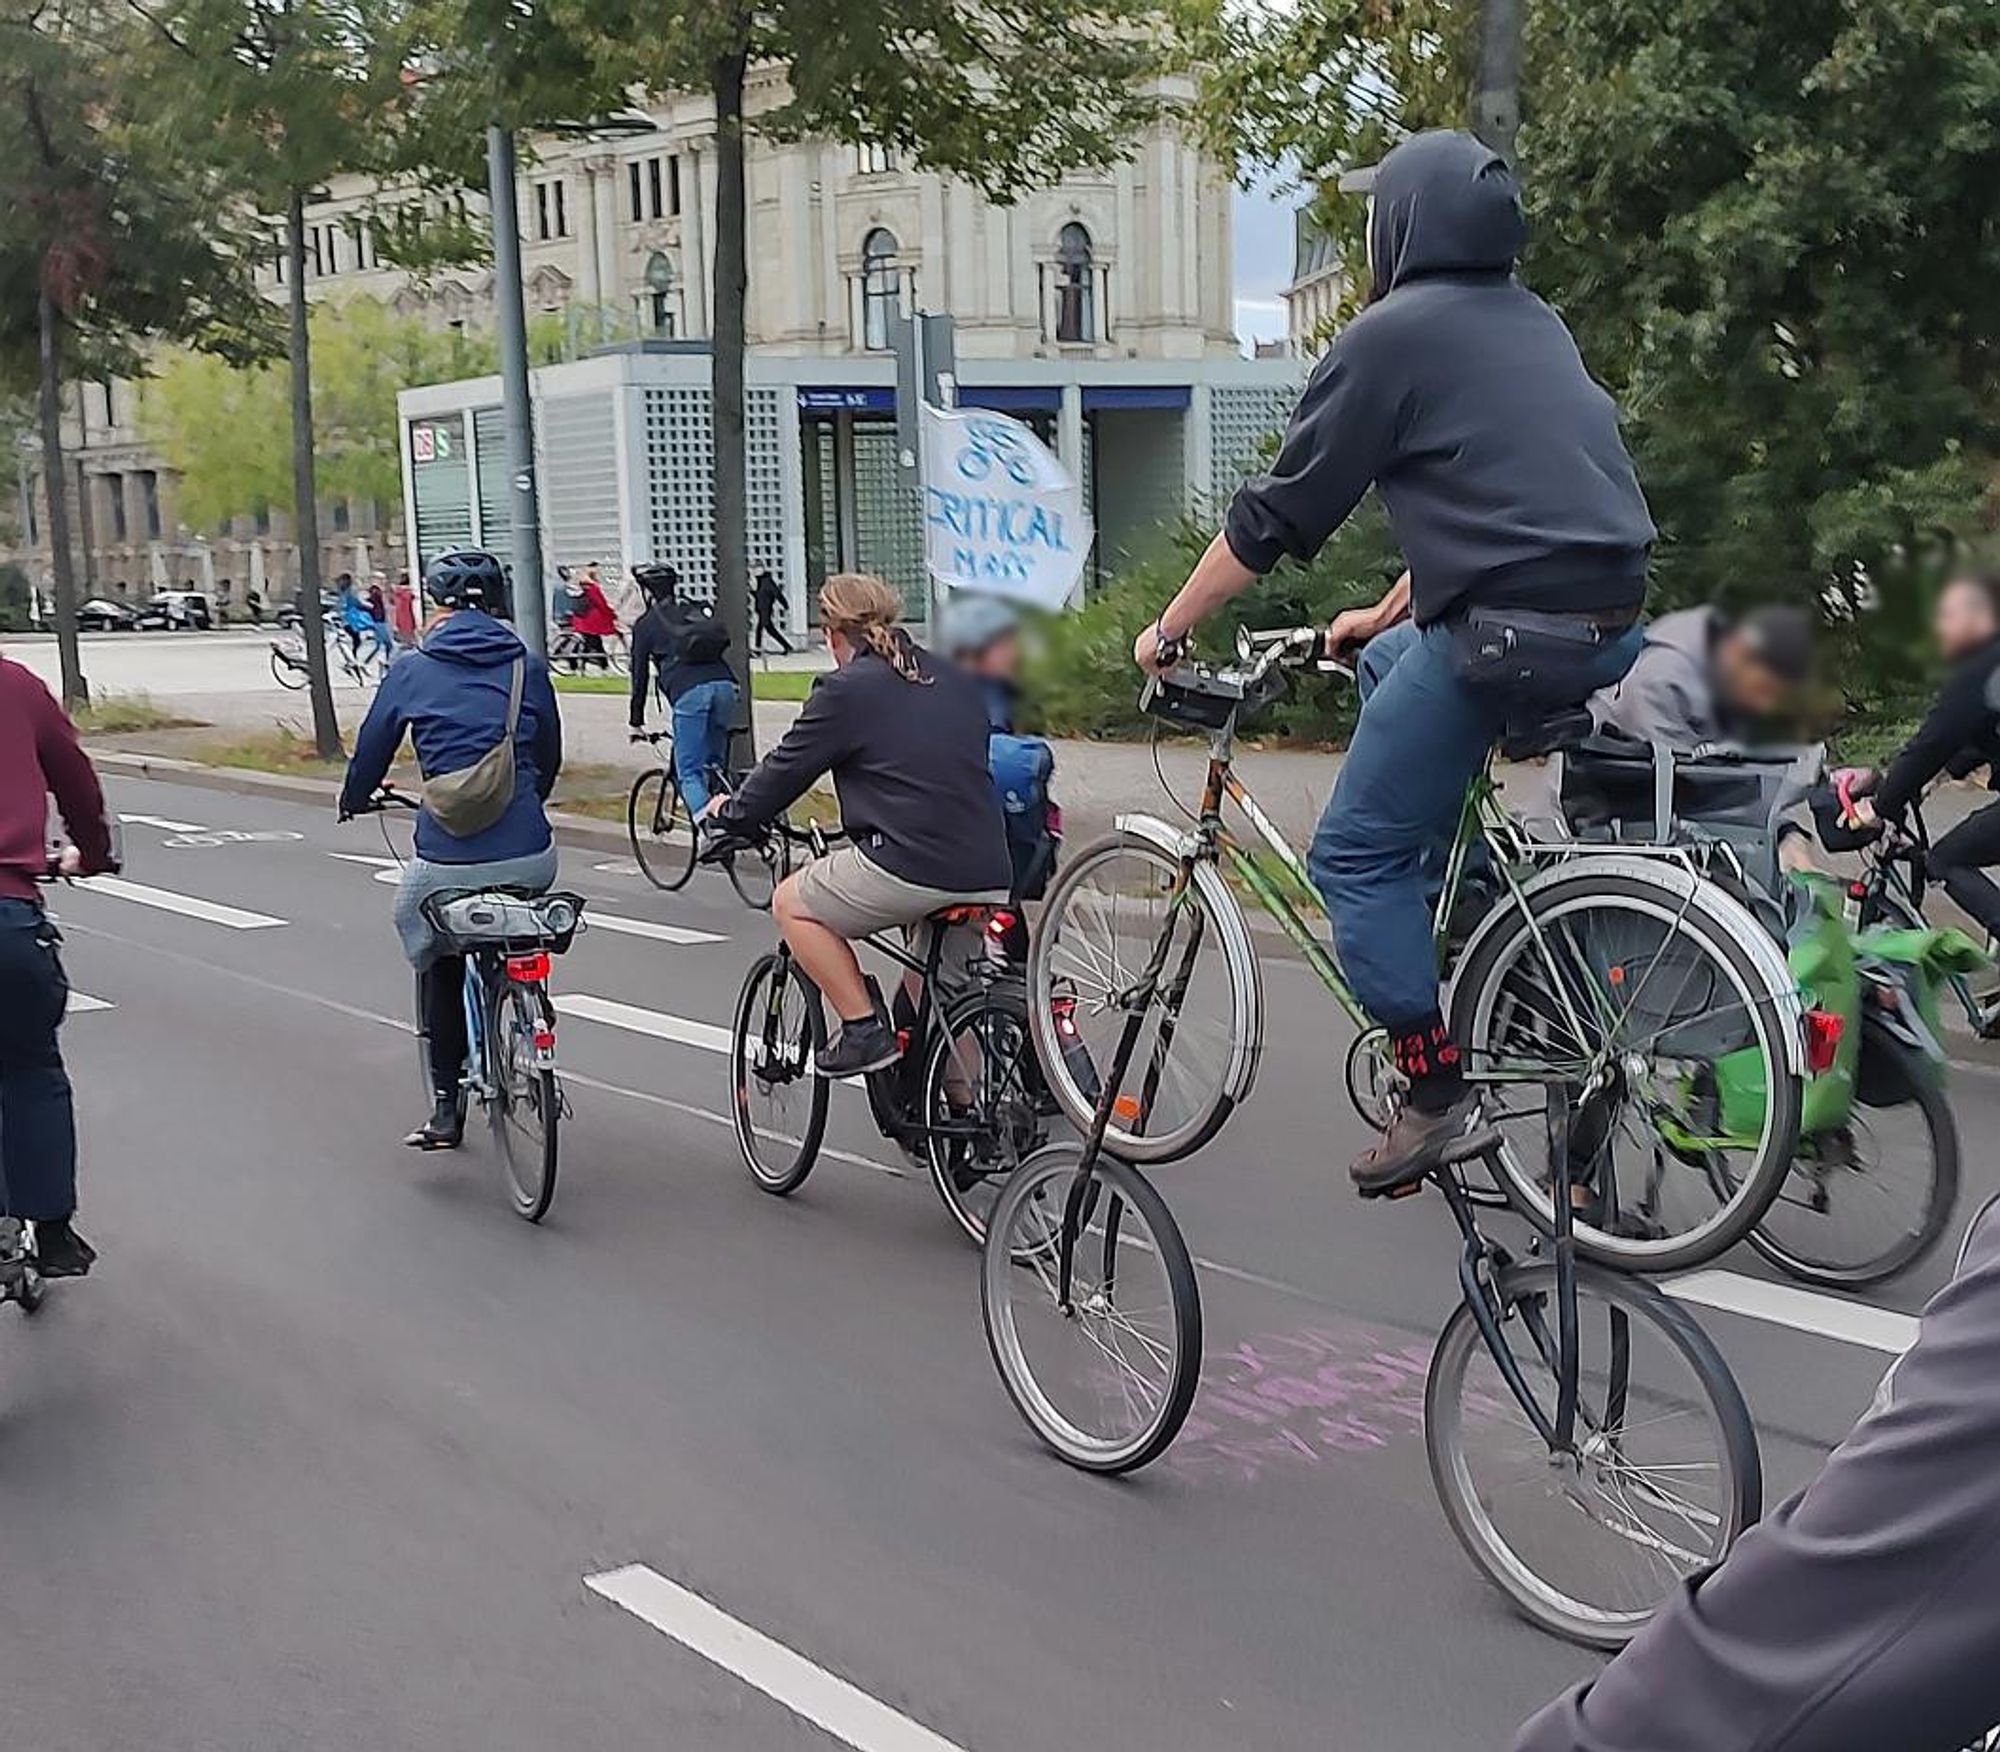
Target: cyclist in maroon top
{"type": "Point", "coordinates": [40, 757]}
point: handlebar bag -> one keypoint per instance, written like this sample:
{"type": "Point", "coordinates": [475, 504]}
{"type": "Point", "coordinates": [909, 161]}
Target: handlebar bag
{"type": "Point", "coordinates": [472, 799]}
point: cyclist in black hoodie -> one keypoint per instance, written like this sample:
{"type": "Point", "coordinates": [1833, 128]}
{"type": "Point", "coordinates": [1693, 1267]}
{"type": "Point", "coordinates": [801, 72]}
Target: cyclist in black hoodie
{"type": "Point", "coordinates": [1460, 396]}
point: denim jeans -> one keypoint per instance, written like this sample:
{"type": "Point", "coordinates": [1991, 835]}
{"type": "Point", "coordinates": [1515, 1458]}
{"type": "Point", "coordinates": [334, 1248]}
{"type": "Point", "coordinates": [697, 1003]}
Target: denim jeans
{"type": "Point", "coordinates": [37, 1122]}
{"type": "Point", "coordinates": [703, 718]}
{"type": "Point", "coordinates": [1422, 736]}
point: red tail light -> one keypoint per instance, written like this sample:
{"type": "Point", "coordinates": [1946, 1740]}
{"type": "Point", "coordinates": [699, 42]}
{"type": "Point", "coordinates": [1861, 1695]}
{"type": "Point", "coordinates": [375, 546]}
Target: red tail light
{"type": "Point", "coordinates": [1824, 1030]}
{"type": "Point", "coordinates": [1054, 820]}
{"type": "Point", "coordinates": [1064, 1011]}
{"type": "Point", "coordinates": [1000, 923]}
{"type": "Point", "coordinates": [545, 1041]}
{"type": "Point", "coordinates": [529, 969]}
{"type": "Point", "coordinates": [1857, 890]}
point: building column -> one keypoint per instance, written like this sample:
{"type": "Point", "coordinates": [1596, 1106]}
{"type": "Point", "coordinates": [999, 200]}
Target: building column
{"type": "Point", "coordinates": [589, 285]}
{"type": "Point", "coordinates": [604, 207]}
{"type": "Point", "coordinates": [697, 276]}
{"type": "Point", "coordinates": [843, 493]}
{"type": "Point", "coordinates": [1198, 449]}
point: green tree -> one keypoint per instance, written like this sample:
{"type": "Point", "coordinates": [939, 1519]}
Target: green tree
{"type": "Point", "coordinates": [110, 238]}
{"type": "Point", "coordinates": [1007, 98]}
{"type": "Point", "coordinates": [1774, 229]}
{"type": "Point", "coordinates": [224, 430]}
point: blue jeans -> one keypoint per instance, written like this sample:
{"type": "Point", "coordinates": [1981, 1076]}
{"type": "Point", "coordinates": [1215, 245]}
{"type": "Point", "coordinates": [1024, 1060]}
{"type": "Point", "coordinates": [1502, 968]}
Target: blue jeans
{"type": "Point", "coordinates": [1422, 736]}
{"type": "Point", "coordinates": [703, 718]}
{"type": "Point", "coordinates": [37, 1120]}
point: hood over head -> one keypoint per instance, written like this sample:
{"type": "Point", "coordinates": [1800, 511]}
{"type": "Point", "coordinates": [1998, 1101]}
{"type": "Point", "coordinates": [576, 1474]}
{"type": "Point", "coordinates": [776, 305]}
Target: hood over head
{"type": "Point", "coordinates": [1444, 203]}
{"type": "Point", "coordinates": [474, 639]}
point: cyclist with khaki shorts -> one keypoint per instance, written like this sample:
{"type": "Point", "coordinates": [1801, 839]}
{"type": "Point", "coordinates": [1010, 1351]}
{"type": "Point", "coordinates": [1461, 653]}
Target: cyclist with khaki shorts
{"type": "Point", "coordinates": [903, 735]}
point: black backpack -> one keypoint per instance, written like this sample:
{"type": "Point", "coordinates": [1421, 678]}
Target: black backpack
{"type": "Point", "coordinates": [704, 639]}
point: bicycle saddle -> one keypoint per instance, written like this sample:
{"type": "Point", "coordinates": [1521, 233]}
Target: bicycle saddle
{"type": "Point", "coordinates": [1530, 738]}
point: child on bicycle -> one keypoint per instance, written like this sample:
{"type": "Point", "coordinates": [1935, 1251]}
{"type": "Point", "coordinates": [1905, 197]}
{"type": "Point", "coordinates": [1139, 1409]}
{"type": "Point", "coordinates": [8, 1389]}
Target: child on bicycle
{"type": "Point", "coordinates": [904, 736]}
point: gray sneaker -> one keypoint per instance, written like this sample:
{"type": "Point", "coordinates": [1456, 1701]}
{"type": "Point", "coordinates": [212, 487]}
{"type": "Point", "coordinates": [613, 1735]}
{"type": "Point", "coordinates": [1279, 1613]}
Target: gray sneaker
{"type": "Point", "coordinates": [868, 1045]}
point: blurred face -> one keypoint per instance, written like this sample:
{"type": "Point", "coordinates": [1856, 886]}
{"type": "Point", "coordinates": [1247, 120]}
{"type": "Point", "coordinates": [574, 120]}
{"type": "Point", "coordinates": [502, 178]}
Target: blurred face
{"type": "Point", "coordinates": [1000, 661]}
{"type": "Point", "coordinates": [1750, 686]}
{"type": "Point", "coordinates": [1965, 618]}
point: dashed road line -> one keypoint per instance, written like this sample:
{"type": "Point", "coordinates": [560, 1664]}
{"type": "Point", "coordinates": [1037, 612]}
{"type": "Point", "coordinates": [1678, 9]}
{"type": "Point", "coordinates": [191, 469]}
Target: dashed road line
{"type": "Point", "coordinates": [191, 906]}
{"type": "Point", "coordinates": [1857, 1323]}
{"type": "Point", "coordinates": [682, 934]}
{"type": "Point", "coordinates": [163, 822]}
{"type": "Point", "coordinates": [635, 1020]}
{"type": "Point", "coordinates": [805, 1688]}
{"type": "Point", "coordinates": [81, 1004]}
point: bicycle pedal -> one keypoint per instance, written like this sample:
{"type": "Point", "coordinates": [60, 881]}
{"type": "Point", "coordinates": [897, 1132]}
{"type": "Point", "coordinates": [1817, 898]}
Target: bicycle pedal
{"type": "Point", "coordinates": [1406, 1189]}
{"type": "Point", "coordinates": [1469, 1148]}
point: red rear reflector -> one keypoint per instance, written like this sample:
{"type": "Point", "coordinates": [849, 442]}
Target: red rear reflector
{"type": "Point", "coordinates": [528, 969]}
{"type": "Point", "coordinates": [545, 1041]}
{"type": "Point", "coordinates": [1857, 891]}
{"type": "Point", "coordinates": [1125, 1108]}
{"type": "Point", "coordinates": [1000, 923]}
{"type": "Point", "coordinates": [1823, 1035]}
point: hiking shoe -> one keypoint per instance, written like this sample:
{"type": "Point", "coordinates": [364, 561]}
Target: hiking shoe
{"type": "Point", "coordinates": [1412, 1147]}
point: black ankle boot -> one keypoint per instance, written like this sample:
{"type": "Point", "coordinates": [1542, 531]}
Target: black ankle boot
{"type": "Point", "coordinates": [445, 1129]}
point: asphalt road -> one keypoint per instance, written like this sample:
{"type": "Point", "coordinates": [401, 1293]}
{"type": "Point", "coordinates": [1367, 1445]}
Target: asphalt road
{"type": "Point", "coordinates": [323, 1453]}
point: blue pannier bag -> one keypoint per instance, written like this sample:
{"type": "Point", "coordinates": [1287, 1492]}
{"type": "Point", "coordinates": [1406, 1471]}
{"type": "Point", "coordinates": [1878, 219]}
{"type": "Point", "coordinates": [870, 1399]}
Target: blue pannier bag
{"type": "Point", "coordinates": [1022, 767]}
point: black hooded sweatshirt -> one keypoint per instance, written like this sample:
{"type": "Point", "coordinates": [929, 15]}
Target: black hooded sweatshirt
{"type": "Point", "coordinates": [1462, 396]}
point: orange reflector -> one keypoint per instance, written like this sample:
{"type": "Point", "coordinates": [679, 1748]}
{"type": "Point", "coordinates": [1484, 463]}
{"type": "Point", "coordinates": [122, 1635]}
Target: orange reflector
{"type": "Point", "coordinates": [1615, 974]}
{"type": "Point", "coordinates": [1126, 1108]}
{"type": "Point", "coordinates": [1824, 1029]}
{"type": "Point", "coordinates": [529, 969]}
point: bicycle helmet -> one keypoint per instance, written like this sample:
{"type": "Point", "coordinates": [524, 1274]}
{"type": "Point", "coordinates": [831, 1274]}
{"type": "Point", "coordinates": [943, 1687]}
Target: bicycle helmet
{"type": "Point", "coordinates": [466, 578]}
{"type": "Point", "coordinates": [972, 624]}
{"type": "Point", "coordinates": [658, 581]}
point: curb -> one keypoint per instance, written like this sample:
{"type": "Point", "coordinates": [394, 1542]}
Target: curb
{"type": "Point", "coordinates": [572, 830]}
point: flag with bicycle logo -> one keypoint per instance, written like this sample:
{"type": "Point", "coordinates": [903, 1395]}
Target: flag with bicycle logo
{"type": "Point", "coordinates": [1001, 513]}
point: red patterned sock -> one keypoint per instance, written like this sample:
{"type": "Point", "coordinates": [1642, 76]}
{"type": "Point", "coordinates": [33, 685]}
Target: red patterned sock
{"type": "Point", "coordinates": [1428, 1056]}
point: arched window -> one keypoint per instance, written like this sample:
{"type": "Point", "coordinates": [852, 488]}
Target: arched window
{"type": "Point", "coordinates": [878, 288]}
{"type": "Point", "coordinates": [1076, 287]}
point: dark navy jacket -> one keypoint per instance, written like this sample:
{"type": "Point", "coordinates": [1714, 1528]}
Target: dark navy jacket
{"type": "Point", "coordinates": [1461, 396]}
{"type": "Point", "coordinates": [450, 694]}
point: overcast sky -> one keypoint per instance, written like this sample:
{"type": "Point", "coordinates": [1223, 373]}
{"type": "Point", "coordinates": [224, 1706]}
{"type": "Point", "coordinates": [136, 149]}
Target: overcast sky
{"type": "Point", "coordinates": [1263, 262]}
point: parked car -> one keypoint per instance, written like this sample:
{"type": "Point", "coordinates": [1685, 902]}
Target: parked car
{"type": "Point", "coordinates": [102, 614]}
{"type": "Point", "coordinates": [177, 609]}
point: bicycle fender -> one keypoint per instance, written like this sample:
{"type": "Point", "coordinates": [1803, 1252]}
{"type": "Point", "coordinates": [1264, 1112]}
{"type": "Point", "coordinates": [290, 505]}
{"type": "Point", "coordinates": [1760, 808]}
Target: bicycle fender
{"type": "Point", "coordinates": [1679, 886]}
{"type": "Point", "coordinates": [1247, 1049]}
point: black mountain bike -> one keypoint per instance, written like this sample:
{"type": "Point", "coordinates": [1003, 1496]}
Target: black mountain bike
{"type": "Point", "coordinates": [666, 842]}
{"type": "Point", "coordinates": [966, 1099]}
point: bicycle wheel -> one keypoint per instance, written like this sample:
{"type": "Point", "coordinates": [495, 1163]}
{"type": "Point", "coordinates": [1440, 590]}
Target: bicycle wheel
{"type": "Point", "coordinates": [984, 1102]}
{"type": "Point", "coordinates": [1665, 1474]}
{"type": "Point", "coordinates": [1868, 1200]}
{"type": "Point", "coordinates": [287, 673]}
{"type": "Point", "coordinates": [1198, 1040]}
{"type": "Point", "coordinates": [1106, 1381]}
{"type": "Point", "coordinates": [524, 1107]}
{"type": "Point", "coordinates": [756, 871]}
{"type": "Point", "coordinates": [662, 835]}
{"type": "Point", "coordinates": [1669, 1026]}
{"type": "Point", "coordinates": [780, 1100]}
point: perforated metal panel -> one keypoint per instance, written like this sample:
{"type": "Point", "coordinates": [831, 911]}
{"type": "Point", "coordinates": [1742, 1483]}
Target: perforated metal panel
{"type": "Point", "coordinates": [1240, 420]}
{"type": "Point", "coordinates": [680, 474]}
{"type": "Point", "coordinates": [886, 538]}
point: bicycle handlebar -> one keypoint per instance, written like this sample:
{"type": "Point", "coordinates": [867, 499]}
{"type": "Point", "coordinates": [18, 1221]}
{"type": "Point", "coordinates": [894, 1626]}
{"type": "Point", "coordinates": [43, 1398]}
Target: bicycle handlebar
{"type": "Point", "coordinates": [388, 797]}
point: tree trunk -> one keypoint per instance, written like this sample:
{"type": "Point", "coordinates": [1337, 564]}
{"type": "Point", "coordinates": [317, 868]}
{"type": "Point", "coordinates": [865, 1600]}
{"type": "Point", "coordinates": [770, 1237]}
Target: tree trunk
{"type": "Point", "coordinates": [62, 562]}
{"type": "Point", "coordinates": [305, 500]}
{"type": "Point", "coordinates": [732, 469]}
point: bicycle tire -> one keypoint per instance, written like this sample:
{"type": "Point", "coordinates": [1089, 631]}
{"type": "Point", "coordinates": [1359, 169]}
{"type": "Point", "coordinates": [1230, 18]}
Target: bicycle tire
{"type": "Point", "coordinates": [661, 835]}
{"type": "Point", "coordinates": [1738, 1495]}
{"type": "Point", "coordinates": [756, 872]}
{"type": "Point", "coordinates": [1013, 1120]}
{"type": "Point", "coordinates": [288, 675]}
{"type": "Point", "coordinates": [1940, 1200]}
{"type": "Point", "coordinates": [1074, 1049]}
{"type": "Point", "coordinates": [514, 1014]}
{"type": "Point", "coordinates": [1019, 1246]}
{"type": "Point", "coordinates": [1742, 1198]}
{"type": "Point", "coordinates": [773, 1170]}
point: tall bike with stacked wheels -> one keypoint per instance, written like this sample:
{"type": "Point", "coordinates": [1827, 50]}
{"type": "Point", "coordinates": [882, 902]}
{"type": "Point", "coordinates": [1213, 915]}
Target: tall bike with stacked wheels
{"type": "Point", "coordinates": [1593, 1001]}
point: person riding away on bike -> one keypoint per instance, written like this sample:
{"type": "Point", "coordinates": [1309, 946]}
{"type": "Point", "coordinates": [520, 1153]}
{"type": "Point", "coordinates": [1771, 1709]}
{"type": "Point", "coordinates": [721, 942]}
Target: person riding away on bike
{"type": "Point", "coordinates": [686, 647]}
{"type": "Point", "coordinates": [40, 757]}
{"type": "Point", "coordinates": [1960, 732]}
{"type": "Point", "coordinates": [454, 697]}
{"type": "Point", "coordinates": [904, 735]}
{"type": "Point", "coordinates": [982, 635]}
{"type": "Point", "coordinates": [357, 622]}
{"type": "Point", "coordinates": [1459, 396]}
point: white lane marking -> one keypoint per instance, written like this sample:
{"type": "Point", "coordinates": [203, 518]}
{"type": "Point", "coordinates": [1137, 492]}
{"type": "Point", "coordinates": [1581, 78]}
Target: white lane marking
{"type": "Point", "coordinates": [81, 1004]}
{"type": "Point", "coordinates": [657, 1023]}
{"type": "Point", "coordinates": [1873, 1328]}
{"type": "Point", "coordinates": [162, 821]}
{"type": "Point", "coordinates": [188, 905]}
{"type": "Point", "coordinates": [619, 867]}
{"type": "Point", "coordinates": [603, 921]}
{"type": "Point", "coordinates": [849, 1714]}
{"type": "Point", "coordinates": [385, 870]}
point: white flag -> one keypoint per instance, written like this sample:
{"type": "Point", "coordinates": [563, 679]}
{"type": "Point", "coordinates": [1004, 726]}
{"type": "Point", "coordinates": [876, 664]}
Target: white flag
{"type": "Point", "coordinates": [1001, 513]}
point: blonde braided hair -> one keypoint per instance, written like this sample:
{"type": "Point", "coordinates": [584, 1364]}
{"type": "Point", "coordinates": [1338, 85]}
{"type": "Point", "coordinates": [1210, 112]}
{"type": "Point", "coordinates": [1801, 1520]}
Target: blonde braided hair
{"type": "Point", "coordinates": [866, 611]}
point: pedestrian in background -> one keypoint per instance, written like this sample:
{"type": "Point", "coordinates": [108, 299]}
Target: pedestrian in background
{"type": "Point", "coordinates": [403, 610]}
{"type": "Point", "coordinates": [769, 599]}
